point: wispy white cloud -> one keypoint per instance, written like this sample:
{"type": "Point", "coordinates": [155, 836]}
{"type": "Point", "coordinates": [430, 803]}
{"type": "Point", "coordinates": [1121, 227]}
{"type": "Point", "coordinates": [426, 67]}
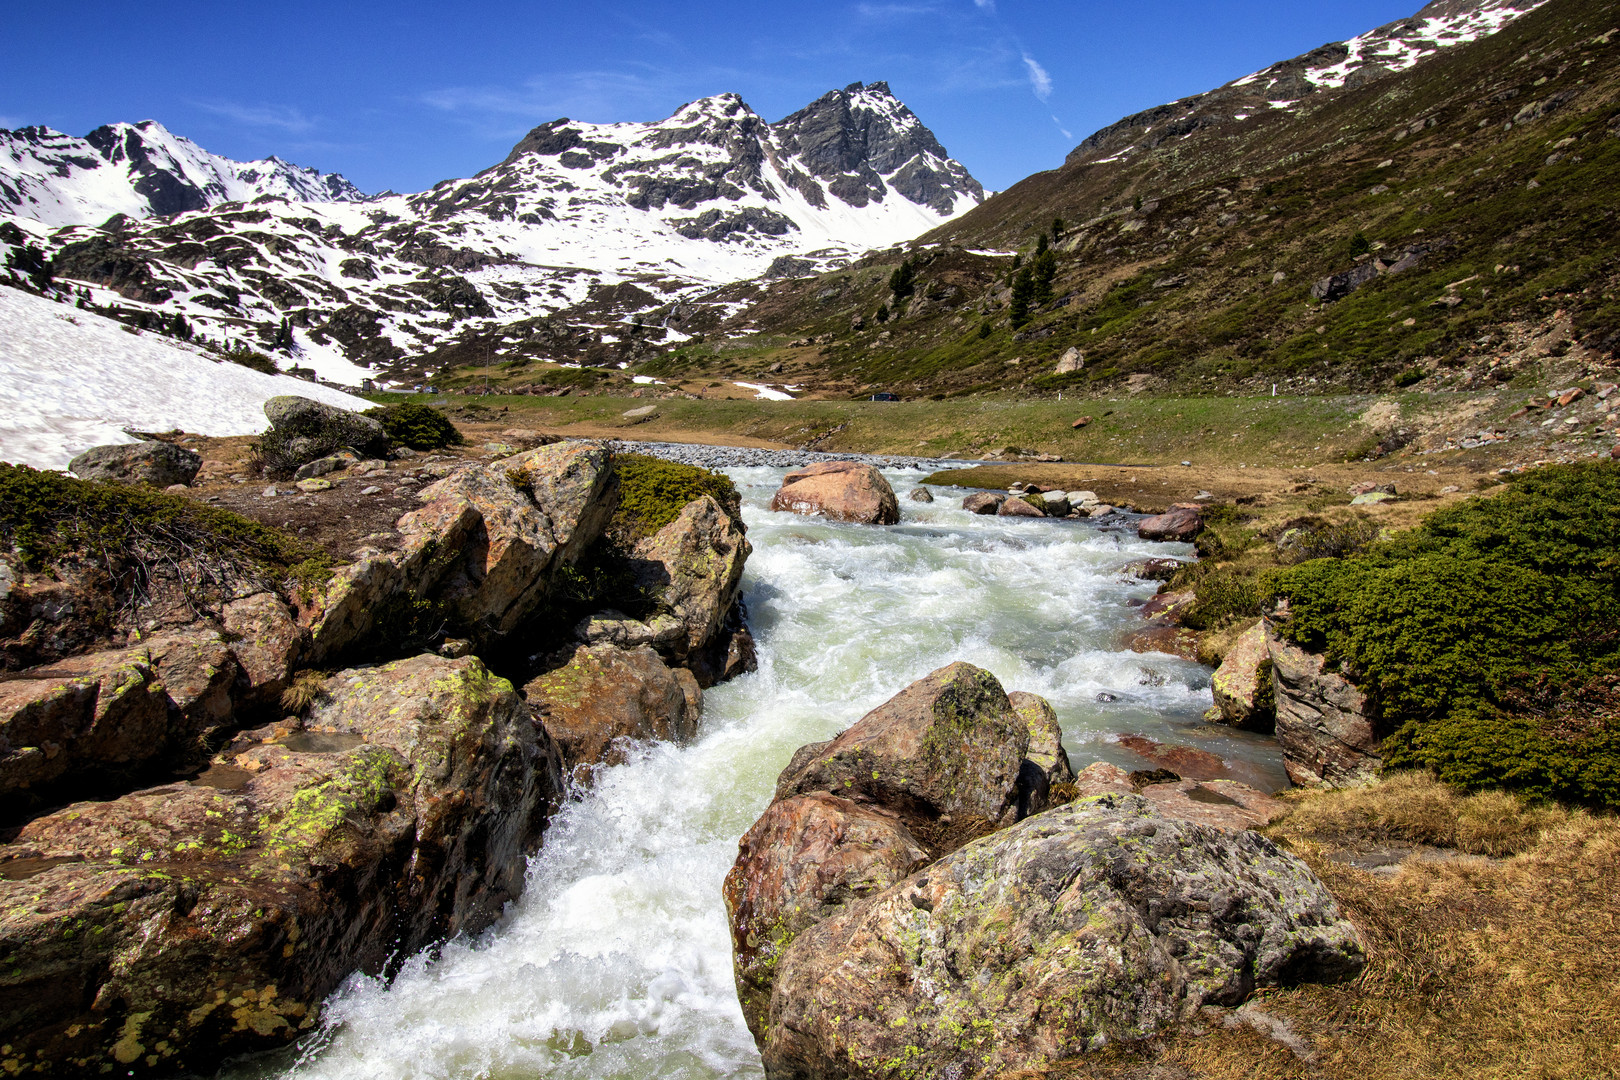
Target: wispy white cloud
{"type": "Point", "coordinates": [1061, 128]}
{"type": "Point", "coordinates": [893, 12]}
{"type": "Point", "coordinates": [281, 117]}
{"type": "Point", "coordinates": [1039, 80]}
{"type": "Point", "coordinates": [985, 5]}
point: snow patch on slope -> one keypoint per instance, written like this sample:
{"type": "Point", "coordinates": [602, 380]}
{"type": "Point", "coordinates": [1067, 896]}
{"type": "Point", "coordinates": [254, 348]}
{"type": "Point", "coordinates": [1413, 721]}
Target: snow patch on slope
{"type": "Point", "coordinates": [72, 380]}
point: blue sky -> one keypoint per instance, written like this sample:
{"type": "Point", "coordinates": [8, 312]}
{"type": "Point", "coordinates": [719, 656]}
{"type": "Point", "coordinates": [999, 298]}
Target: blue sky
{"type": "Point", "coordinates": [401, 95]}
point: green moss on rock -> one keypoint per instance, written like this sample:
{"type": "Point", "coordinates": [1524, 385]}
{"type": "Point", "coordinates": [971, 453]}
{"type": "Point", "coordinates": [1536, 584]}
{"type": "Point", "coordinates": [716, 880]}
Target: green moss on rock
{"type": "Point", "coordinates": [652, 493]}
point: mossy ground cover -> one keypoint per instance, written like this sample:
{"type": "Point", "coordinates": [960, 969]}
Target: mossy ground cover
{"type": "Point", "coordinates": [135, 534]}
{"type": "Point", "coordinates": [1488, 638]}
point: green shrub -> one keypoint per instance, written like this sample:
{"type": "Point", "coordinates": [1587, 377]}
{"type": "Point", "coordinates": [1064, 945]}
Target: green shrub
{"type": "Point", "coordinates": [249, 358]}
{"type": "Point", "coordinates": [418, 426]}
{"type": "Point", "coordinates": [51, 520]}
{"type": "Point", "coordinates": [1488, 638]}
{"type": "Point", "coordinates": [652, 493]}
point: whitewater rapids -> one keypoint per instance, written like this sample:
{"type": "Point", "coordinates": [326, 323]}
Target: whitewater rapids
{"type": "Point", "coordinates": [616, 962]}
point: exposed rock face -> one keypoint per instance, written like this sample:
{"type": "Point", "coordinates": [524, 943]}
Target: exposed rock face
{"type": "Point", "coordinates": [983, 502]}
{"type": "Point", "coordinates": [113, 717]}
{"type": "Point", "coordinates": [1242, 684]}
{"type": "Point", "coordinates": [268, 645]}
{"type": "Point", "coordinates": [481, 552]}
{"type": "Point", "coordinates": [940, 762]}
{"type": "Point", "coordinates": [1099, 921]}
{"type": "Point", "coordinates": [948, 744]}
{"type": "Point", "coordinates": [1223, 804]}
{"type": "Point", "coordinates": [695, 565]}
{"type": "Point", "coordinates": [1181, 523]}
{"type": "Point", "coordinates": [159, 464]}
{"type": "Point", "coordinates": [1327, 735]}
{"type": "Point", "coordinates": [804, 859]}
{"type": "Point", "coordinates": [167, 929]}
{"type": "Point", "coordinates": [603, 694]}
{"type": "Point", "coordinates": [841, 490]}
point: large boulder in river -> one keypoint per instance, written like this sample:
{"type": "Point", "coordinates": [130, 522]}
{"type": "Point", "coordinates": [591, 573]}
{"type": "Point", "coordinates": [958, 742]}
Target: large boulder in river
{"type": "Point", "coordinates": [804, 859]}
{"type": "Point", "coordinates": [949, 745]}
{"type": "Point", "coordinates": [479, 557]}
{"type": "Point", "coordinates": [168, 929]}
{"type": "Point", "coordinates": [1182, 523]}
{"type": "Point", "coordinates": [694, 567]}
{"type": "Point", "coordinates": [983, 502]}
{"type": "Point", "coordinates": [1328, 736]}
{"type": "Point", "coordinates": [841, 490]}
{"type": "Point", "coordinates": [1100, 921]}
{"type": "Point", "coordinates": [159, 464]}
{"type": "Point", "coordinates": [602, 694]}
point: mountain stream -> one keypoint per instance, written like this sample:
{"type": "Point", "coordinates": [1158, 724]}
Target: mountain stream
{"type": "Point", "coordinates": [616, 962]}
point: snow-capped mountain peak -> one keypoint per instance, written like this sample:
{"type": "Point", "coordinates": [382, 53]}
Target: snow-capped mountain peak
{"type": "Point", "coordinates": [586, 222]}
{"type": "Point", "coordinates": [140, 170]}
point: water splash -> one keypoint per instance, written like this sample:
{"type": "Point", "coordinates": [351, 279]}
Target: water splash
{"type": "Point", "coordinates": [616, 962]}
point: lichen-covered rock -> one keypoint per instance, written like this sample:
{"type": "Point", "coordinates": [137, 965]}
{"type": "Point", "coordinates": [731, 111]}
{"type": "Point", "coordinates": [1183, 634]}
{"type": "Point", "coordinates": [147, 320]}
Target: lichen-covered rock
{"type": "Point", "coordinates": [1242, 684]}
{"type": "Point", "coordinates": [804, 859]}
{"type": "Point", "coordinates": [1096, 922]}
{"type": "Point", "coordinates": [479, 557]}
{"type": "Point", "coordinates": [159, 464]}
{"type": "Point", "coordinates": [111, 718]}
{"type": "Point", "coordinates": [841, 490]}
{"type": "Point", "coordinates": [1327, 736]}
{"type": "Point", "coordinates": [694, 567]}
{"type": "Point", "coordinates": [165, 930]}
{"type": "Point", "coordinates": [1045, 735]}
{"type": "Point", "coordinates": [602, 694]}
{"type": "Point", "coordinates": [948, 744]}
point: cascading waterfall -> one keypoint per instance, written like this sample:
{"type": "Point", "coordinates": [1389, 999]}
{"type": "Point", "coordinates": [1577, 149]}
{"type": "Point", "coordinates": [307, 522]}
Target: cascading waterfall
{"type": "Point", "coordinates": [616, 962]}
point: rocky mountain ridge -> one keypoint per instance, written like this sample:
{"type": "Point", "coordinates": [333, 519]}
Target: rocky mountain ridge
{"type": "Point", "coordinates": [140, 171]}
{"type": "Point", "coordinates": [593, 222]}
{"type": "Point", "coordinates": [1285, 86]}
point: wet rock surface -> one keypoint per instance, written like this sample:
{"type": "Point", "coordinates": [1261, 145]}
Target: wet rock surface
{"type": "Point", "coordinates": [603, 694]}
{"type": "Point", "coordinates": [166, 929]}
{"type": "Point", "coordinates": [843, 491]}
{"type": "Point", "coordinates": [1100, 921]}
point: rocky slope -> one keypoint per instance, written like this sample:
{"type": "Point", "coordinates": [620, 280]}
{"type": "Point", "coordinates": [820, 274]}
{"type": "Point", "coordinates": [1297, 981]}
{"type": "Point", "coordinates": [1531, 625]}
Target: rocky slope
{"type": "Point", "coordinates": [1428, 205]}
{"type": "Point", "coordinates": [589, 224]}
{"type": "Point", "coordinates": [205, 834]}
{"type": "Point", "coordinates": [140, 171]}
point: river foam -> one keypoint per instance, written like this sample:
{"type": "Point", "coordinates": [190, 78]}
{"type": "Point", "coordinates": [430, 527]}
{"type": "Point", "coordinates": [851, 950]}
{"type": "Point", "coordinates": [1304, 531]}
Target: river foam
{"type": "Point", "coordinates": [616, 962]}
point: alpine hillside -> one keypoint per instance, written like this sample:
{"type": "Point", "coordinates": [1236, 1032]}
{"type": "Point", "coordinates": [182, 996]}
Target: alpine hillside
{"type": "Point", "coordinates": [1430, 205]}
{"type": "Point", "coordinates": [549, 254]}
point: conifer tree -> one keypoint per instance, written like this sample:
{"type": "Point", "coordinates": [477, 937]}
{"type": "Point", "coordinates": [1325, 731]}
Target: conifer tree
{"type": "Point", "coordinates": [1023, 291]}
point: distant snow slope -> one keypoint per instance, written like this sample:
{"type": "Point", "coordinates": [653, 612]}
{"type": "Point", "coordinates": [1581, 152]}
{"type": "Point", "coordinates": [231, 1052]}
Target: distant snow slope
{"type": "Point", "coordinates": [140, 170]}
{"type": "Point", "coordinates": [71, 380]}
{"type": "Point", "coordinates": [592, 223]}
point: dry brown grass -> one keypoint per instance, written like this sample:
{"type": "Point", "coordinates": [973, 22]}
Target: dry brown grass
{"type": "Point", "coordinates": [1480, 968]}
